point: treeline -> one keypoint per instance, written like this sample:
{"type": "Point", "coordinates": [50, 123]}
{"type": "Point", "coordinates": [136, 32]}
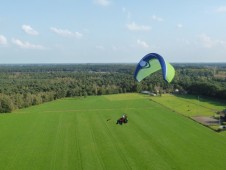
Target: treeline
{"type": "Point", "coordinates": [26, 85]}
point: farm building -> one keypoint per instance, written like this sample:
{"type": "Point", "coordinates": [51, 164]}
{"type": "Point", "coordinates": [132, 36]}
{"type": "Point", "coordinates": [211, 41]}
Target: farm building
{"type": "Point", "coordinates": [148, 93]}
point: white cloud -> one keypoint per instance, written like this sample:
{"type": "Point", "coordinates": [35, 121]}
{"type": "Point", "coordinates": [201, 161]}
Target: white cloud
{"type": "Point", "coordinates": [124, 10]}
{"type": "Point", "coordinates": [135, 27]}
{"type": "Point", "coordinates": [209, 42]}
{"type": "Point", "coordinates": [179, 26]}
{"type": "Point", "coordinates": [3, 40]}
{"type": "Point", "coordinates": [221, 9]}
{"type": "Point", "coordinates": [102, 2]}
{"type": "Point", "coordinates": [27, 45]}
{"type": "Point", "coordinates": [206, 41]}
{"type": "Point", "coordinates": [29, 30]}
{"type": "Point", "coordinates": [66, 33]}
{"type": "Point", "coordinates": [143, 44]}
{"type": "Point", "coordinates": [156, 18]}
{"type": "Point", "coordinates": [115, 48]}
{"type": "Point", "coordinates": [184, 41]}
{"type": "Point", "coordinates": [99, 47]}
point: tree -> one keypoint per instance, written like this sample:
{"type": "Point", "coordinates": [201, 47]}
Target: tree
{"type": "Point", "coordinates": [6, 104]}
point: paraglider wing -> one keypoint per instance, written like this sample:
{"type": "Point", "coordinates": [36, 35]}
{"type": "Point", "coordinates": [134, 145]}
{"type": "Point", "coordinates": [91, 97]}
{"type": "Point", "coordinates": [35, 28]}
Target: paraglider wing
{"type": "Point", "coordinates": [151, 63]}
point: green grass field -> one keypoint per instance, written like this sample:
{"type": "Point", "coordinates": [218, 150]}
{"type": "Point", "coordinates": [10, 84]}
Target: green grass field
{"type": "Point", "coordinates": [190, 105]}
{"type": "Point", "coordinates": [74, 133]}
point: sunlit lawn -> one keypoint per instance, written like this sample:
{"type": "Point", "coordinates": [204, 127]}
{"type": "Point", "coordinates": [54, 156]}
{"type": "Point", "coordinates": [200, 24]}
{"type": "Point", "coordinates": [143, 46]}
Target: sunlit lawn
{"type": "Point", "coordinates": [80, 133]}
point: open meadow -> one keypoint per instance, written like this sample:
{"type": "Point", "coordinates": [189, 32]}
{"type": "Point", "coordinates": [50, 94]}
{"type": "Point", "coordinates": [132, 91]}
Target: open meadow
{"type": "Point", "coordinates": [81, 133]}
{"type": "Point", "coordinates": [189, 105]}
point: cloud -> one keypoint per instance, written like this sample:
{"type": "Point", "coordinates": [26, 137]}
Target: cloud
{"type": "Point", "coordinates": [134, 27]}
{"type": "Point", "coordinates": [3, 40]}
{"type": "Point", "coordinates": [156, 18]}
{"type": "Point", "coordinates": [115, 48]}
{"type": "Point", "coordinates": [66, 33]}
{"type": "Point", "coordinates": [29, 30]}
{"type": "Point", "coordinates": [179, 26]}
{"type": "Point", "coordinates": [124, 10]}
{"type": "Point", "coordinates": [142, 44]}
{"type": "Point", "coordinates": [27, 45]}
{"type": "Point", "coordinates": [102, 2]}
{"type": "Point", "coordinates": [221, 9]}
{"type": "Point", "coordinates": [209, 42]}
{"type": "Point", "coordinates": [100, 47]}
{"type": "Point", "coordinates": [206, 41]}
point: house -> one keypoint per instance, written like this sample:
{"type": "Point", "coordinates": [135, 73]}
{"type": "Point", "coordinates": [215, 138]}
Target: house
{"type": "Point", "coordinates": [222, 115]}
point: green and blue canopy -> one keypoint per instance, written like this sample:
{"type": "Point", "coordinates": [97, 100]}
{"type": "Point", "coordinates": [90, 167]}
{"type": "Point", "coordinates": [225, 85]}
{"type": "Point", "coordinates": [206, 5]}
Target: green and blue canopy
{"type": "Point", "coordinates": [151, 63]}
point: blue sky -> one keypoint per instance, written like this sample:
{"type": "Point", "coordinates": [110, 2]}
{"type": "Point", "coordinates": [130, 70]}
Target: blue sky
{"type": "Point", "coordinates": [106, 31]}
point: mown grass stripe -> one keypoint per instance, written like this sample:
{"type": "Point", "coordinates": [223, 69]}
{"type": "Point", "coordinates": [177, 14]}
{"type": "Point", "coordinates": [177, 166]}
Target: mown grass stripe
{"type": "Point", "coordinates": [57, 142]}
{"type": "Point", "coordinates": [118, 148]}
{"type": "Point", "coordinates": [167, 160]}
{"type": "Point", "coordinates": [20, 142]}
{"type": "Point", "coordinates": [79, 162]}
{"type": "Point", "coordinates": [97, 150]}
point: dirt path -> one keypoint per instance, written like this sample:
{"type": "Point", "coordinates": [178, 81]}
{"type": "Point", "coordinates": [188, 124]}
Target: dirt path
{"type": "Point", "coordinates": [206, 120]}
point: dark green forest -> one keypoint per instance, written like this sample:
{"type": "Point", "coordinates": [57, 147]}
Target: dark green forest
{"type": "Point", "coordinates": [24, 85]}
